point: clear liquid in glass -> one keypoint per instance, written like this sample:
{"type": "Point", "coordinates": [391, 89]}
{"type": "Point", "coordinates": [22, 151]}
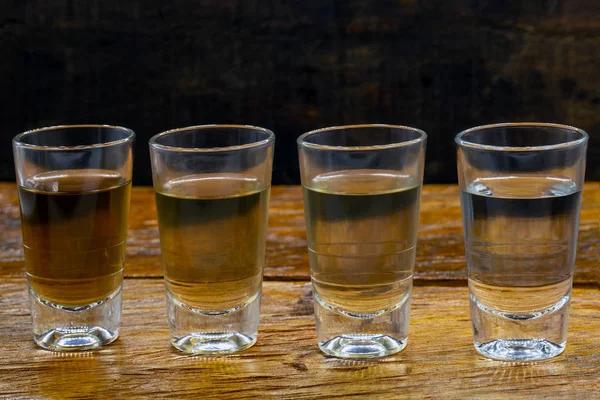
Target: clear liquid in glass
{"type": "Point", "coordinates": [521, 234]}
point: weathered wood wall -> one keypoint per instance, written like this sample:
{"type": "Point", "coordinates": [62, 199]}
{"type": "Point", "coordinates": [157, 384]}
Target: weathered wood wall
{"type": "Point", "coordinates": [297, 65]}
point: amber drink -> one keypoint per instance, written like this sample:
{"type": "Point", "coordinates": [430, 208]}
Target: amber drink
{"type": "Point", "coordinates": [74, 225]}
{"type": "Point", "coordinates": [212, 213]}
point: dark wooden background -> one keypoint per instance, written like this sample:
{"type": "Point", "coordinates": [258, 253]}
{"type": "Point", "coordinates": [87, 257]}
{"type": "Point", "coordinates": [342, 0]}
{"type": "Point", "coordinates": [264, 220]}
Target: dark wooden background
{"type": "Point", "coordinates": [293, 66]}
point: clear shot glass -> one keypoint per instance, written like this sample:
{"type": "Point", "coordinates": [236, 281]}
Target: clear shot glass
{"type": "Point", "coordinates": [212, 186]}
{"type": "Point", "coordinates": [74, 186]}
{"type": "Point", "coordinates": [521, 187]}
{"type": "Point", "coordinates": [362, 188]}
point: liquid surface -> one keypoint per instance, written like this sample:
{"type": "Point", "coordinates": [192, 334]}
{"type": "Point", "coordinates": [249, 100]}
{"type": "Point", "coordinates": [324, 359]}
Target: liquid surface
{"type": "Point", "coordinates": [212, 235]}
{"type": "Point", "coordinates": [74, 226]}
{"type": "Point", "coordinates": [362, 228]}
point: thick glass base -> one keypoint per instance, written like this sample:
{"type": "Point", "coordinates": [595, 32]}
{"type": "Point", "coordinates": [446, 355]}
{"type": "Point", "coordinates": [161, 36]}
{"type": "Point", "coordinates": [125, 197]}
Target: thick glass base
{"type": "Point", "coordinates": [75, 338]}
{"type": "Point", "coordinates": [373, 335]}
{"type": "Point", "coordinates": [213, 343]}
{"type": "Point", "coordinates": [520, 349]}
{"type": "Point", "coordinates": [519, 336]}
{"type": "Point", "coordinates": [362, 346]}
{"type": "Point", "coordinates": [200, 332]}
{"type": "Point", "coordinates": [91, 327]}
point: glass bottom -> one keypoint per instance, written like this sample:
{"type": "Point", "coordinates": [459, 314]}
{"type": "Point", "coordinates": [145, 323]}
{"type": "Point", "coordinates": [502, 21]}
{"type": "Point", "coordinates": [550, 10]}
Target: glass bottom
{"type": "Point", "coordinates": [368, 335]}
{"type": "Point", "coordinates": [362, 346]}
{"type": "Point", "coordinates": [504, 332]}
{"type": "Point", "coordinates": [213, 343]}
{"type": "Point", "coordinates": [520, 349]}
{"type": "Point", "coordinates": [198, 332]}
{"type": "Point", "coordinates": [75, 338]}
{"type": "Point", "coordinates": [59, 328]}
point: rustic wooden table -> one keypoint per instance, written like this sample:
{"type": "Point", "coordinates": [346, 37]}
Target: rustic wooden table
{"type": "Point", "coordinates": [439, 362]}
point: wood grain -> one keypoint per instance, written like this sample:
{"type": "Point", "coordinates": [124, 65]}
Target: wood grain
{"type": "Point", "coordinates": [439, 362]}
{"type": "Point", "coordinates": [440, 249]}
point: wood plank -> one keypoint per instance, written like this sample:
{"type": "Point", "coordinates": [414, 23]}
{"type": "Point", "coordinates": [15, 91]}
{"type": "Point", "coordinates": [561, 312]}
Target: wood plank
{"type": "Point", "coordinates": [440, 249]}
{"type": "Point", "coordinates": [439, 362]}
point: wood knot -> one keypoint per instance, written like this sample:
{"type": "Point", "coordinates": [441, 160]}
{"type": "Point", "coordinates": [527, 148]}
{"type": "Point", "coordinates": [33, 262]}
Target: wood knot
{"type": "Point", "coordinates": [299, 366]}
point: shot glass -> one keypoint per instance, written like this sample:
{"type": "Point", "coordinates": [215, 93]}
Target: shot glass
{"type": "Point", "coordinates": [362, 188]}
{"type": "Point", "coordinates": [74, 184]}
{"type": "Point", "coordinates": [520, 188]}
{"type": "Point", "coordinates": [212, 186]}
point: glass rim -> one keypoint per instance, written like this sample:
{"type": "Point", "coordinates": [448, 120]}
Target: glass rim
{"type": "Point", "coordinates": [458, 139]}
{"type": "Point", "coordinates": [301, 141]}
{"type": "Point", "coordinates": [17, 140]}
{"type": "Point", "coordinates": [270, 138]}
